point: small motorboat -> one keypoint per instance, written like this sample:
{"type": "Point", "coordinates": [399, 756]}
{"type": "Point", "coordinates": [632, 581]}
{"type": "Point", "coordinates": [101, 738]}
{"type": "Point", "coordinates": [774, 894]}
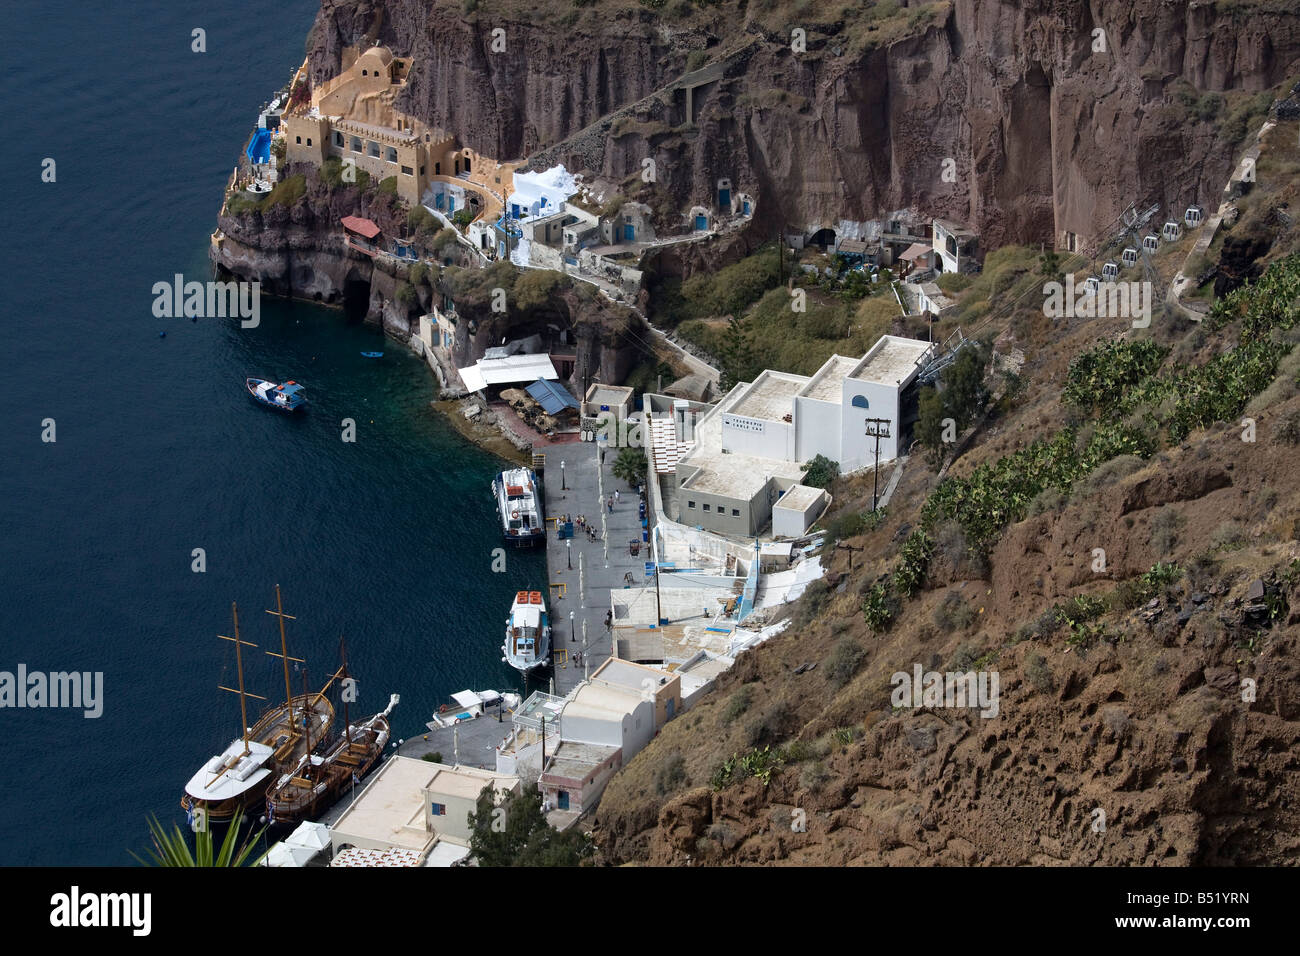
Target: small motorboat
{"type": "Point", "coordinates": [528, 633]}
{"type": "Point", "coordinates": [373, 354]}
{"type": "Point", "coordinates": [287, 397]}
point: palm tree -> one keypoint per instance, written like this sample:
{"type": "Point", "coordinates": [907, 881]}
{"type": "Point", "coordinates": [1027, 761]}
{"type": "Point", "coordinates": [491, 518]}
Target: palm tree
{"type": "Point", "coordinates": [631, 466]}
{"type": "Point", "coordinates": [173, 849]}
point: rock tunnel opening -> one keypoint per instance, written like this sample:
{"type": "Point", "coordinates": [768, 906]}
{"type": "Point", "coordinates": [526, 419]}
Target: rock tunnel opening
{"type": "Point", "coordinates": [356, 298]}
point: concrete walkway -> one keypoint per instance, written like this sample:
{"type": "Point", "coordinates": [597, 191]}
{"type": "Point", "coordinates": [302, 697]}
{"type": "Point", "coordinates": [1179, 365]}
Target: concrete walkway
{"type": "Point", "coordinates": [587, 569]}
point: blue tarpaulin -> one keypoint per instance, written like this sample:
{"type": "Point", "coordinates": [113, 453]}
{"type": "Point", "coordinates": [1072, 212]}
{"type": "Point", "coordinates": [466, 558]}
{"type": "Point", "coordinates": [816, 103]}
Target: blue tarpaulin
{"type": "Point", "coordinates": [551, 396]}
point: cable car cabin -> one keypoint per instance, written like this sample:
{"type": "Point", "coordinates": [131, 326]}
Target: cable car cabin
{"type": "Point", "coordinates": [1129, 257]}
{"type": "Point", "coordinates": [1109, 272]}
{"type": "Point", "coordinates": [1151, 243]}
{"type": "Point", "coordinates": [1092, 284]}
{"type": "Point", "coordinates": [1194, 216]}
{"type": "Point", "coordinates": [1172, 231]}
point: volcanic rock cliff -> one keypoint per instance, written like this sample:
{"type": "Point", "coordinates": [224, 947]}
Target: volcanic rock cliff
{"type": "Point", "coordinates": [1026, 119]}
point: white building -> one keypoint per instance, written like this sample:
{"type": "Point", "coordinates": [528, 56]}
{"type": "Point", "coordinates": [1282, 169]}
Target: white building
{"type": "Point", "coordinates": [602, 726]}
{"type": "Point", "coordinates": [751, 448]}
{"type": "Point", "coordinates": [413, 805]}
{"type": "Point", "coordinates": [540, 194]}
{"type": "Point", "coordinates": [955, 247]}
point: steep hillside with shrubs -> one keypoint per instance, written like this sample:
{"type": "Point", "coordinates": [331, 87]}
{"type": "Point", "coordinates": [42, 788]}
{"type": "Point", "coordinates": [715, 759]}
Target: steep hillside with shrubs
{"type": "Point", "coordinates": [1115, 535]}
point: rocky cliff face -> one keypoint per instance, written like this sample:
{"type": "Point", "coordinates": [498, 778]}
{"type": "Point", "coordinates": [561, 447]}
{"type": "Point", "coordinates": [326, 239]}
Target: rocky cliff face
{"type": "Point", "coordinates": [297, 250]}
{"type": "Point", "coordinates": [1048, 128]}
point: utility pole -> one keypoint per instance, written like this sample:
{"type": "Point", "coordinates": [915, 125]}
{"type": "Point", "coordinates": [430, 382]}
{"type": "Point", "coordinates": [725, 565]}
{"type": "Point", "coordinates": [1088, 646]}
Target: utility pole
{"type": "Point", "coordinates": [850, 549]}
{"type": "Point", "coordinates": [877, 428]}
{"type": "Point", "coordinates": [659, 611]}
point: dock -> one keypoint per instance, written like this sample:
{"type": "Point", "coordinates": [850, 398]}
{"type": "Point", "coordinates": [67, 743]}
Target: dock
{"type": "Point", "coordinates": [581, 571]}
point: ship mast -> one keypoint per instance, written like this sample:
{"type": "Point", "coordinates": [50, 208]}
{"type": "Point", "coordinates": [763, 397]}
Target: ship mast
{"type": "Point", "coordinates": [239, 665]}
{"type": "Point", "coordinates": [347, 724]}
{"type": "Point", "coordinates": [284, 656]}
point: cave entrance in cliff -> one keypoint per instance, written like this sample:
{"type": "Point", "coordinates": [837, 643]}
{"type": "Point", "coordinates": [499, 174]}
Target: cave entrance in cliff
{"type": "Point", "coordinates": [825, 238]}
{"type": "Point", "coordinates": [356, 298]}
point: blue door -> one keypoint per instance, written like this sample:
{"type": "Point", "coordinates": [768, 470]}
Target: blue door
{"type": "Point", "coordinates": [724, 199]}
{"type": "Point", "coordinates": [451, 203]}
{"type": "Point", "coordinates": [564, 800]}
{"type": "Point", "coordinates": [745, 206]}
{"type": "Point", "coordinates": [437, 201]}
{"type": "Point", "coordinates": [514, 210]}
{"type": "Point", "coordinates": [629, 231]}
{"type": "Point", "coordinates": [670, 708]}
{"type": "Point", "coordinates": [701, 222]}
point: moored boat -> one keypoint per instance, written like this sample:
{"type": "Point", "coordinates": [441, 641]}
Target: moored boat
{"type": "Point", "coordinates": [528, 633]}
{"type": "Point", "coordinates": [286, 397]}
{"type": "Point", "coordinates": [239, 776]}
{"type": "Point", "coordinates": [520, 507]}
{"type": "Point", "coordinates": [317, 781]}
{"type": "Point", "coordinates": [469, 704]}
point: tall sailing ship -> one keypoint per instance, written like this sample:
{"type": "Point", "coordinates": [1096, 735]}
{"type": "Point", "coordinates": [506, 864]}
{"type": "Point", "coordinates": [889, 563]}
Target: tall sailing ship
{"type": "Point", "coordinates": [320, 776]}
{"type": "Point", "coordinates": [239, 776]}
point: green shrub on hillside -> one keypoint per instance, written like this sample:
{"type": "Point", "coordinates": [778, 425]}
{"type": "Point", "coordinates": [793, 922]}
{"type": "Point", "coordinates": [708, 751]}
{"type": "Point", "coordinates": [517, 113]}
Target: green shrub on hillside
{"type": "Point", "coordinates": [821, 472]}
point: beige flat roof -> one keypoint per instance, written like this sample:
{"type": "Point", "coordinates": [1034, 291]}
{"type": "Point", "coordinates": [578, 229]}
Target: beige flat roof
{"type": "Point", "coordinates": [828, 384]}
{"type": "Point", "coordinates": [799, 498]}
{"type": "Point", "coordinates": [466, 781]}
{"type": "Point", "coordinates": [629, 674]}
{"type": "Point", "coordinates": [573, 761]}
{"type": "Point", "coordinates": [390, 811]}
{"type": "Point", "coordinates": [736, 477]}
{"type": "Point", "coordinates": [891, 361]}
{"type": "Point", "coordinates": [771, 397]}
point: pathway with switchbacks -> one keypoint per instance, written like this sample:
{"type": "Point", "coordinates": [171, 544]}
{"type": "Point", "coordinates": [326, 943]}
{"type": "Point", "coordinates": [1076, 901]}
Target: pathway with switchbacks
{"type": "Point", "coordinates": [1182, 281]}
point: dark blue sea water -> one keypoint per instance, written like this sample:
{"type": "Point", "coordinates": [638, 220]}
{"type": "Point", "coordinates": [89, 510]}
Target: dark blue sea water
{"type": "Point", "coordinates": [159, 451]}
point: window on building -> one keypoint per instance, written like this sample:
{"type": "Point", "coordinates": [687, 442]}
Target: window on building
{"type": "Point", "coordinates": [421, 170]}
{"type": "Point", "coordinates": [706, 506]}
{"type": "Point", "coordinates": [690, 504]}
{"type": "Point", "coordinates": [735, 512]}
{"type": "Point", "coordinates": [298, 140]}
{"type": "Point", "coordinates": [437, 169]}
{"type": "Point", "coordinates": [408, 171]}
{"type": "Point", "coordinates": [356, 144]}
{"type": "Point", "coordinates": [374, 150]}
{"type": "Point", "coordinates": [438, 809]}
{"type": "Point", "coordinates": [308, 140]}
{"type": "Point", "coordinates": [390, 154]}
{"type": "Point", "coordinates": [338, 139]}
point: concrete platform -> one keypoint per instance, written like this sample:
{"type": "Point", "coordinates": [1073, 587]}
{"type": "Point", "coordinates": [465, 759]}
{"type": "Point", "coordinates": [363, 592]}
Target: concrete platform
{"type": "Point", "coordinates": [587, 569]}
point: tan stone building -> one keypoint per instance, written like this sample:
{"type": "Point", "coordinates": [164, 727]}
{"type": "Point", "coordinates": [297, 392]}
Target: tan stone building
{"type": "Point", "coordinates": [352, 117]}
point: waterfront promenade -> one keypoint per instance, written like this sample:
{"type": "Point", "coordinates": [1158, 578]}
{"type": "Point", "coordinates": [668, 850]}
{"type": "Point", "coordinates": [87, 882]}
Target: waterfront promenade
{"type": "Point", "coordinates": [579, 578]}
{"type": "Point", "coordinates": [582, 572]}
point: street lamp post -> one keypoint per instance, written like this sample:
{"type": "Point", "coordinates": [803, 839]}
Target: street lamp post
{"type": "Point", "coordinates": [562, 485]}
{"type": "Point", "coordinates": [569, 550]}
{"type": "Point", "coordinates": [572, 639]}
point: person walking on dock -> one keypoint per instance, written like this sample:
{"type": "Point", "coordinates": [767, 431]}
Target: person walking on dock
{"type": "Point", "coordinates": [617, 496]}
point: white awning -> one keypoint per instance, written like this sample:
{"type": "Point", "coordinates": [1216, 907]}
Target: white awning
{"type": "Point", "coordinates": [507, 371]}
{"type": "Point", "coordinates": [466, 698]}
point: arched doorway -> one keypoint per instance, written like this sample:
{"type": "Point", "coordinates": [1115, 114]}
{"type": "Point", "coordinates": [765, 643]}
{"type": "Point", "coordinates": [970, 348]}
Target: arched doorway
{"type": "Point", "coordinates": [824, 238]}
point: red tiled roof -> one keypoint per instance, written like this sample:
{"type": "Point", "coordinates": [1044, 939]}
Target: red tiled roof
{"type": "Point", "coordinates": [362, 227]}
